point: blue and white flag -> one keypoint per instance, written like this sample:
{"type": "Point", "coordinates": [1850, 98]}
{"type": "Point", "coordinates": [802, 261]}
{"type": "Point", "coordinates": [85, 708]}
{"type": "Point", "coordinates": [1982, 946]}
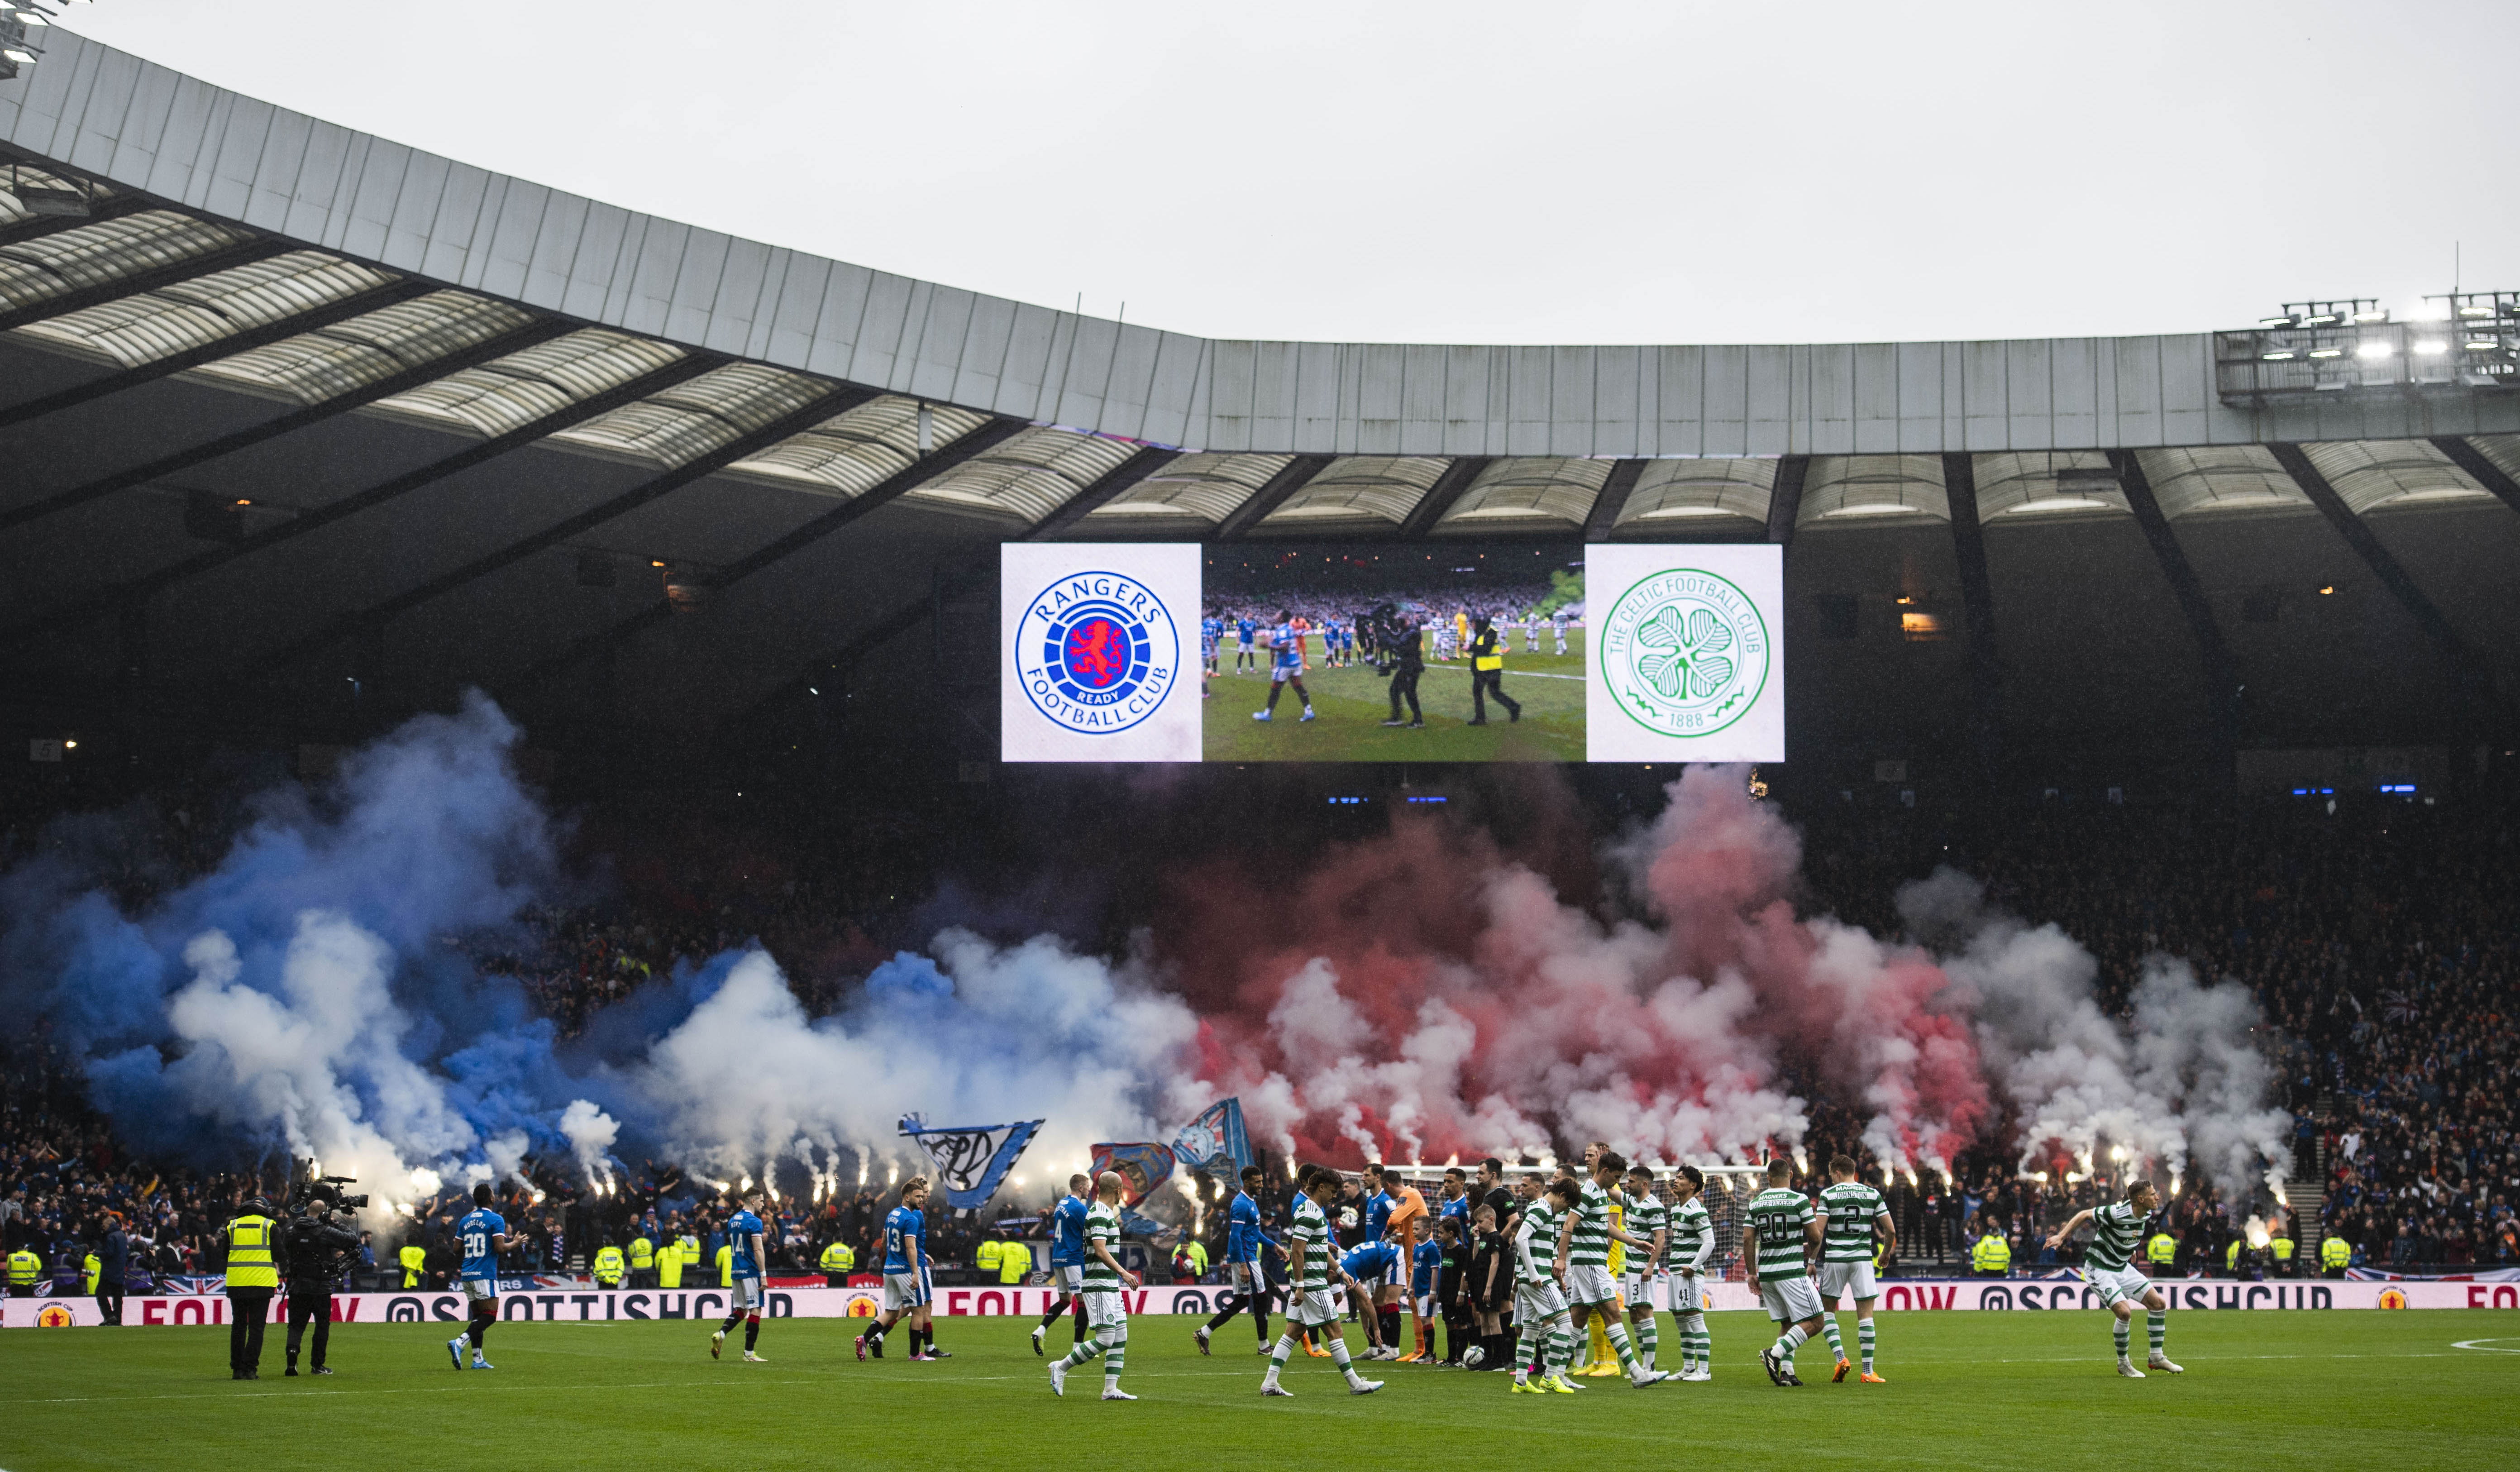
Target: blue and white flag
{"type": "Point", "coordinates": [1215, 1142]}
{"type": "Point", "coordinates": [973, 1159]}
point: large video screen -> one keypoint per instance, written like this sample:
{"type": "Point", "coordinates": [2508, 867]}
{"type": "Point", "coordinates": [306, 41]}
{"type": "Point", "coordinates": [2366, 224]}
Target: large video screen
{"type": "Point", "coordinates": [1307, 652]}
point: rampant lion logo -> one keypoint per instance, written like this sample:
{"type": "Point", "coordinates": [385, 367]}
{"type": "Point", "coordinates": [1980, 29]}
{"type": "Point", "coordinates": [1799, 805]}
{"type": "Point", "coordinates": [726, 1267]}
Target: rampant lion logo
{"type": "Point", "coordinates": [1097, 652]}
{"type": "Point", "coordinates": [1685, 652]}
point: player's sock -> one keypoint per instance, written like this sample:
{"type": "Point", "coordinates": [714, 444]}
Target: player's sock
{"type": "Point", "coordinates": [1695, 1342]}
{"type": "Point", "coordinates": [1836, 1342]}
{"type": "Point", "coordinates": [2156, 1328]}
{"type": "Point", "coordinates": [1617, 1333]}
{"type": "Point", "coordinates": [1078, 1313]}
{"type": "Point", "coordinates": [2118, 1330]}
{"type": "Point", "coordinates": [1864, 1342]}
{"type": "Point", "coordinates": [1278, 1355]}
{"type": "Point", "coordinates": [1788, 1342]}
{"type": "Point", "coordinates": [1113, 1358]}
{"type": "Point", "coordinates": [1559, 1351]}
{"type": "Point", "coordinates": [1051, 1317]}
{"type": "Point", "coordinates": [1390, 1316]}
{"type": "Point", "coordinates": [1082, 1353]}
{"type": "Point", "coordinates": [751, 1331]}
{"type": "Point", "coordinates": [1339, 1356]}
{"type": "Point", "coordinates": [1648, 1340]}
{"type": "Point", "coordinates": [479, 1330]}
{"type": "Point", "coordinates": [732, 1319]}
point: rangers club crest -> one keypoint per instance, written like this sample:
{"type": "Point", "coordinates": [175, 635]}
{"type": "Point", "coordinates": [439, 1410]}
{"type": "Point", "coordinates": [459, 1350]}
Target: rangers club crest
{"type": "Point", "coordinates": [1097, 652]}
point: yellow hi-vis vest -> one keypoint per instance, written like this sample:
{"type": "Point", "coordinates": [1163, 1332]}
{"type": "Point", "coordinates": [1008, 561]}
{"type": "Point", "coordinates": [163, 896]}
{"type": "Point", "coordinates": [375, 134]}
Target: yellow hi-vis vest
{"type": "Point", "coordinates": [986, 1256]}
{"type": "Point", "coordinates": [2335, 1252]}
{"type": "Point", "coordinates": [414, 1261]}
{"type": "Point", "coordinates": [1016, 1264]}
{"type": "Point", "coordinates": [840, 1258]}
{"type": "Point", "coordinates": [726, 1266]}
{"type": "Point", "coordinates": [669, 1265]}
{"type": "Point", "coordinates": [1992, 1254]}
{"type": "Point", "coordinates": [250, 1254]}
{"type": "Point", "coordinates": [25, 1269]}
{"type": "Point", "coordinates": [2162, 1249]}
{"type": "Point", "coordinates": [2284, 1249]}
{"type": "Point", "coordinates": [95, 1271]}
{"type": "Point", "coordinates": [2231, 1254]}
{"type": "Point", "coordinates": [643, 1255]}
{"type": "Point", "coordinates": [609, 1266]}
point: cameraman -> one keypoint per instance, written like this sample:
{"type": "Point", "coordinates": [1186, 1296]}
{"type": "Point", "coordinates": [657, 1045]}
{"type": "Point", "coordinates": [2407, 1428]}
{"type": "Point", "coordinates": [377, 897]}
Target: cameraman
{"type": "Point", "coordinates": [1403, 661]}
{"type": "Point", "coordinates": [312, 1245]}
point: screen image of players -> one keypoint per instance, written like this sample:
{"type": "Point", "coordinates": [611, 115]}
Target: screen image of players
{"type": "Point", "coordinates": [1400, 666]}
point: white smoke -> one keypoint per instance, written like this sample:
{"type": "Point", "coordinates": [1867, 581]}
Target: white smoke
{"type": "Point", "coordinates": [287, 1064]}
{"type": "Point", "coordinates": [2179, 1083]}
{"type": "Point", "coordinates": [983, 1036]}
{"type": "Point", "coordinates": [590, 1133]}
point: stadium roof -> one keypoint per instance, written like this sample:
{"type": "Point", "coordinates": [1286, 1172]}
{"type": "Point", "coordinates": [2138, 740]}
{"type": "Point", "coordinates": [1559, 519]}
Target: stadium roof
{"type": "Point", "coordinates": [292, 398]}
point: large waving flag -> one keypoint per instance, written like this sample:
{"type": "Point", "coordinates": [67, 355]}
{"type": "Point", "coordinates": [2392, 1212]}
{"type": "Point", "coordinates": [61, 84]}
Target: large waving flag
{"type": "Point", "coordinates": [1215, 1142]}
{"type": "Point", "coordinates": [973, 1159]}
{"type": "Point", "coordinates": [1143, 1165]}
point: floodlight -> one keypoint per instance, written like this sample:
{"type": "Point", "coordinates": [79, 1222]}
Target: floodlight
{"type": "Point", "coordinates": [33, 17]}
{"type": "Point", "coordinates": [2482, 344]}
{"type": "Point", "coordinates": [2374, 315]}
{"type": "Point", "coordinates": [2369, 350]}
{"type": "Point", "coordinates": [2476, 311]}
{"type": "Point", "coordinates": [2328, 352]}
{"type": "Point", "coordinates": [21, 58]}
{"type": "Point", "coordinates": [2280, 355]}
{"type": "Point", "coordinates": [2274, 322]}
{"type": "Point", "coordinates": [2323, 319]}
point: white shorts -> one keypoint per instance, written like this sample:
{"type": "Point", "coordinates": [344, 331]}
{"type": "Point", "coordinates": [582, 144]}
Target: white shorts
{"type": "Point", "coordinates": [1427, 1306]}
{"type": "Point", "coordinates": [1687, 1294]}
{"type": "Point", "coordinates": [1839, 1279]}
{"type": "Point", "coordinates": [1790, 1300]}
{"type": "Point", "coordinates": [1245, 1277]}
{"type": "Point", "coordinates": [2115, 1283]}
{"type": "Point", "coordinates": [480, 1290]}
{"type": "Point", "coordinates": [1636, 1290]}
{"type": "Point", "coordinates": [1535, 1304]}
{"type": "Point", "coordinates": [1315, 1307]}
{"type": "Point", "coordinates": [1068, 1277]}
{"type": "Point", "coordinates": [1590, 1285]}
{"type": "Point", "coordinates": [747, 1295]}
{"type": "Point", "coordinates": [1105, 1309]}
{"type": "Point", "coordinates": [904, 1291]}
{"type": "Point", "coordinates": [1280, 674]}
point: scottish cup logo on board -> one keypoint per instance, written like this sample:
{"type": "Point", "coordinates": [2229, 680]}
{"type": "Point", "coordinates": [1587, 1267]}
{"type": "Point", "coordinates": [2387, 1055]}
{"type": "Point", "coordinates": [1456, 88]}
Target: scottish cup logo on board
{"type": "Point", "coordinates": [1096, 652]}
{"type": "Point", "coordinates": [1688, 666]}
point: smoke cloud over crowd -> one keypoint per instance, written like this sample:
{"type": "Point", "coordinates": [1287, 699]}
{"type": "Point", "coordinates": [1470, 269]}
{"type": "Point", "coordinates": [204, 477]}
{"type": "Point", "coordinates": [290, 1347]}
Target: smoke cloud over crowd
{"type": "Point", "coordinates": [1416, 997]}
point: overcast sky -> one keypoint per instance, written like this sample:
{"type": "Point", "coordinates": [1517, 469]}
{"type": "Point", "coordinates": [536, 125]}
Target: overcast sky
{"type": "Point", "coordinates": [1472, 173]}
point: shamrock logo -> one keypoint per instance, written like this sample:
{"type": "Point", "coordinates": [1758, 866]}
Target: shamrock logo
{"type": "Point", "coordinates": [1684, 654]}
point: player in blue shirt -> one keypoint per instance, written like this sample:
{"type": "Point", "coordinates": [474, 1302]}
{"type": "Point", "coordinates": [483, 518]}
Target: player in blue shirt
{"type": "Point", "coordinates": [1287, 666]}
{"type": "Point", "coordinates": [1211, 632]}
{"type": "Point", "coordinates": [907, 1286]}
{"type": "Point", "coordinates": [1244, 627]}
{"type": "Point", "coordinates": [1243, 1243]}
{"type": "Point", "coordinates": [1067, 1259]}
{"type": "Point", "coordinates": [750, 1241]}
{"type": "Point", "coordinates": [482, 1234]}
{"type": "Point", "coordinates": [1366, 1268]}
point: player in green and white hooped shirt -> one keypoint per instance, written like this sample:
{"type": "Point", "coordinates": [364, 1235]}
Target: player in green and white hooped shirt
{"type": "Point", "coordinates": [1648, 1218]}
{"type": "Point", "coordinates": [1104, 1313]}
{"type": "Point", "coordinates": [1311, 1304]}
{"type": "Point", "coordinates": [1538, 1300]}
{"type": "Point", "coordinates": [1855, 1211]}
{"type": "Point", "coordinates": [2108, 1264]}
{"type": "Point", "coordinates": [1787, 1231]}
{"type": "Point", "coordinates": [1693, 1241]}
{"type": "Point", "coordinates": [1584, 1260]}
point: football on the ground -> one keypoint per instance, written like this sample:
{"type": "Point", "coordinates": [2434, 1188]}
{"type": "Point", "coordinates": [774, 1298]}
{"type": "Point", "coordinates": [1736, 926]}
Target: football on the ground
{"type": "Point", "coordinates": [1474, 1357]}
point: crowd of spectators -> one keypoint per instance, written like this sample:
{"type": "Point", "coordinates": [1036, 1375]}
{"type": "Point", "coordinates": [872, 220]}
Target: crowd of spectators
{"type": "Point", "coordinates": [2379, 941]}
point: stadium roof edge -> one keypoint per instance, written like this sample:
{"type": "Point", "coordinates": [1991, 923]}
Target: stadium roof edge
{"type": "Point", "coordinates": [137, 126]}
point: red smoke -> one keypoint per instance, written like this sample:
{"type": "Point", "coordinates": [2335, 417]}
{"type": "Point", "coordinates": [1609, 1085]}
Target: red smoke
{"type": "Point", "coordinates": [1421, 996]}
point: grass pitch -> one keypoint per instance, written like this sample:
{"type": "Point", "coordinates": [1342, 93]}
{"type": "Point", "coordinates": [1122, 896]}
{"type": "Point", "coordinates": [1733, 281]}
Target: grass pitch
{"type": "Point", "coordinates": [2264, 1391]}
{"type": "Point", "coordinates": [1354, 701]}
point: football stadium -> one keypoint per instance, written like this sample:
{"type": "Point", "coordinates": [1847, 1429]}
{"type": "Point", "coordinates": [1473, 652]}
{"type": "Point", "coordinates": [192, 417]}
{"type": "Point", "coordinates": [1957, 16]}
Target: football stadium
{"type": "Point", "coordinates": [637, 843]}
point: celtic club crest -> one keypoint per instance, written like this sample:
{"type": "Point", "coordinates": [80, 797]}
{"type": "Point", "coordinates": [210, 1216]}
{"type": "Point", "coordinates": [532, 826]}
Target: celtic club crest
{"type": "Point", "coordinates": [1685, 652]}
{"type": "Point", "coordinates": [1097, 652]}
